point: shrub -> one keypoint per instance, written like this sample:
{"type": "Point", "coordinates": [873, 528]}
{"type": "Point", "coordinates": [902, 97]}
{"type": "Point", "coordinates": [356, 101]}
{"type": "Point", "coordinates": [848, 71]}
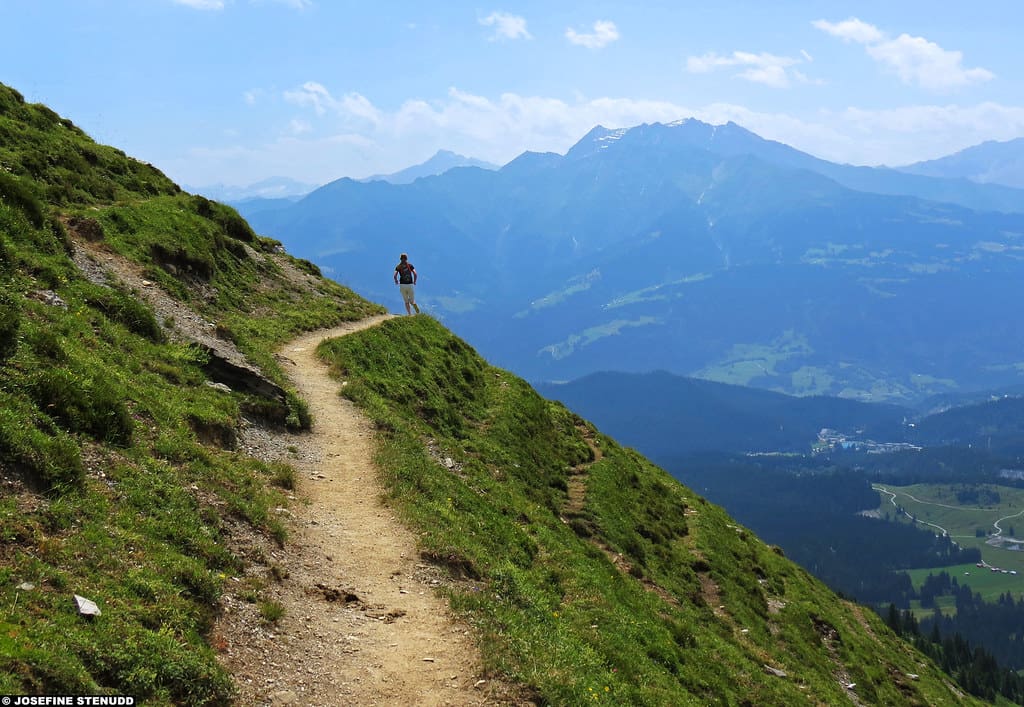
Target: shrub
{"type": "Point", "coordinates": [125, 309]}
{"type": "Point", "coordinates": [271, 611]}
{"type": "Point", "coordinates": [298, 418]}
{"type": "Point", "coordinates": [47, 461]}
{"type": "Point", "coordinates": [308, 267]}
{"type": "Point", "coordinates": [20, 195]}
{"type": "Point", "coordinates": [233, 225]}
{"type": "Point", "coordinates": [83, 404]}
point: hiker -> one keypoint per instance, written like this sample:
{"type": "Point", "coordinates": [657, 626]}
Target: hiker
{"type": "Point", "coordinates": [405, 278]}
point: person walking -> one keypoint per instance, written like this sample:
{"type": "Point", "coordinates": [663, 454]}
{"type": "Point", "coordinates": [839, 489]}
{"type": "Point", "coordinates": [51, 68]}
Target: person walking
{"type": "Point", "coordinates": [405, 278]}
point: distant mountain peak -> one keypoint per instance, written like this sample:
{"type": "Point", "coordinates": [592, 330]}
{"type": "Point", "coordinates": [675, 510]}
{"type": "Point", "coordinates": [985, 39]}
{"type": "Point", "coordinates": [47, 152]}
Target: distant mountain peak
{"type": "Point", "coordinates": [991, 162]}
{"type": "Point", "coordinates": [439, 163]}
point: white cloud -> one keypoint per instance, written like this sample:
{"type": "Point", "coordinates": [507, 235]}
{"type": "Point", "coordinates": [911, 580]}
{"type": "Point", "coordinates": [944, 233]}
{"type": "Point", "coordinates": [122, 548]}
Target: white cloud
{"type": "Point", "coordinates": [202, 4]}
{"type": "Point", "coordinates": [351, 136]}
{"type": "Point", "coordinates": [764, 68]}
{"type": "Point", "coordinates": [353, 107]}
{"type": "Point", "coordinates": [851, 30]}
{"type": "Point", "coordinates": [605, 32]}
{"type": "Point", "coordinates": [915, 60]}
{"type": "Point", "coordinates": [506, 26]}
{"type": "Point", "coordinates": [312, 94]}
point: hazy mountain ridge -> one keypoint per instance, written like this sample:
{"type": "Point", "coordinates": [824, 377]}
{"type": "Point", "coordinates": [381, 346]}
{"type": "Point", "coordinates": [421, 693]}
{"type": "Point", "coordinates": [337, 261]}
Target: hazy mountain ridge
{"type": "Point", "coordinates": [688, 248]}
{"type": "Point", "coordinates": [990, 162]}
{"type": "Point", "coordinates": [668, 416]}
{"type": "Point", "coordinates": [439, 163]}
{"type": "Point", "coordinates": [271, 188]}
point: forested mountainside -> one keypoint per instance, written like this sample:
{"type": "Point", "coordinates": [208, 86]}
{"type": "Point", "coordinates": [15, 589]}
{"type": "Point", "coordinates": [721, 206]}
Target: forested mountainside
{"type": "Point", "coordinates": [587, 573]}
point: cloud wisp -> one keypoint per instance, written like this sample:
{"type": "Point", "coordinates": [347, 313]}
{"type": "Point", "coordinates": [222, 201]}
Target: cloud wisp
{"type": "Point", "coordinates": [202, 4]}
{"type": "Point", "coordinates": [767, 69]}
{"type": "Point", "coordinates": [605, 32]}
{"type": "Point", "coordinates": [915, 60]}
{"type": "Point", "coordinates": [221, 4]}
{"type": "Point", "coordinates": [506, 26]}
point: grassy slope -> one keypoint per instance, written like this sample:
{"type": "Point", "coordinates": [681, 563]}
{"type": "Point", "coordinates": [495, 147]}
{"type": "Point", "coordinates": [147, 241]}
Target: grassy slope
{"type": "Point", "coordinates": [108, 493]}
{"type": "Point", "coordinates": [637, 593]}
{"type": "Point", "coordinates": [105, 488]}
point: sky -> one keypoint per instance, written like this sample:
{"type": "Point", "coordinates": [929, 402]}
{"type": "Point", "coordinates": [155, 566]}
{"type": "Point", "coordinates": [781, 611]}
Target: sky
{"type": "Point", "coordinates": [236, 91]}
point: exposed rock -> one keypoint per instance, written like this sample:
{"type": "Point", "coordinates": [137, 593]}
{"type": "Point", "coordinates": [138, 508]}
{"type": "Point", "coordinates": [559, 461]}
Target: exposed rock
{"type": "Point", "coordinates": [48, 297]}
{"type": "Point", "coordinates": [240, 376]}
{"type": "Point", "coordinates": [284, 697]}
{"type": "Point", "coordinates": [88, 228]}
{"type": "Point", "coordinates": [87, 607]}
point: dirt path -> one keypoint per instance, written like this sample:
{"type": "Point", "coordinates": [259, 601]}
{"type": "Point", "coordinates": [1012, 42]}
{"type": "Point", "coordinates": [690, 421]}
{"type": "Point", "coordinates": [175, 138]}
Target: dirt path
{"type": "Point", "coordinates": [361, 623]}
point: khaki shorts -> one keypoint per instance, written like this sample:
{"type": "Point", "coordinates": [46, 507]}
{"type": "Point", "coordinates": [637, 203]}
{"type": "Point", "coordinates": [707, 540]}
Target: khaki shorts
{"type": "Point", "coordinates": [408, 293]}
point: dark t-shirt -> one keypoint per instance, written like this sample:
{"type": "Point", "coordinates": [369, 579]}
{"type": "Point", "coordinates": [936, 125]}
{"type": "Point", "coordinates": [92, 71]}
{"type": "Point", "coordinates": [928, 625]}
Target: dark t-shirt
{"type": "Point", "coordinates": [404, 271]}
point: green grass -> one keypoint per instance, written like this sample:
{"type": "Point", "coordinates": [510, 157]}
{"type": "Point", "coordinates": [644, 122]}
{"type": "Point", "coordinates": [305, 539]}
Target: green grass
{"type": "Point", "coordinates": [747, 362]}
{"type": "Point", "coordinates": [588, 336]}
{"type": "Point", "coordinates": [962, 521]}
{"type": "Point", "coordinates": [120, 483]}
{"type": "Point", "coordinates": [692, 610]}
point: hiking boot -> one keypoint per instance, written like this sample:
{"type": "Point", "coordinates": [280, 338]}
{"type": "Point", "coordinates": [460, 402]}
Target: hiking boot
{"type": "Point", "coordinates": [416, 307]}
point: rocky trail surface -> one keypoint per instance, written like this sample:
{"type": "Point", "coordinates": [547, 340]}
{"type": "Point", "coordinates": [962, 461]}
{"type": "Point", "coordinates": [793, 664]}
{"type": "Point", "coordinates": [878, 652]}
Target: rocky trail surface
{"type": "Point", "coordinates": [362, 623]}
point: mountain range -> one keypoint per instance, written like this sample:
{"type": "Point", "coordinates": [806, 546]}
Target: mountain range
{"type": "Point", "coordinates": [276, 192]}
{"type": "Point", "coordinates": [700, 250]}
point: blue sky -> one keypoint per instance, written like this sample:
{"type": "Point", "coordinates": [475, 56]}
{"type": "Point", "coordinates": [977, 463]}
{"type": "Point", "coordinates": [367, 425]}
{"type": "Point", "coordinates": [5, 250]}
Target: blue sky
{"type": "Point", "coordinates": [234, 91]}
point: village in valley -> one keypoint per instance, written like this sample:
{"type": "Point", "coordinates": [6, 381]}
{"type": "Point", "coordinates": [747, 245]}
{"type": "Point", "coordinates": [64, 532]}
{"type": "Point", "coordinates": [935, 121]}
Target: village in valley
{"type": "Point", "coordinates": [830, 440]}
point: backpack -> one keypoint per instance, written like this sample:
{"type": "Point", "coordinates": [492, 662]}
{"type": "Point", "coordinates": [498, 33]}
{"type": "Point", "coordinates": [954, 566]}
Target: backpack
{"type": "Point", "coordinates": [404, 273]}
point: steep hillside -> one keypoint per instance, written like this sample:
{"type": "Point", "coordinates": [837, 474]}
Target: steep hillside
{"type": "Point", "coordinates": [136, 329]}
{"type": "Point", "coordinates": [589, 573]}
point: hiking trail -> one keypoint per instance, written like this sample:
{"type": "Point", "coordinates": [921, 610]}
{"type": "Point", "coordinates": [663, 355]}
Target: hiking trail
{"type": "Point", "coordinates": [362, 623]}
